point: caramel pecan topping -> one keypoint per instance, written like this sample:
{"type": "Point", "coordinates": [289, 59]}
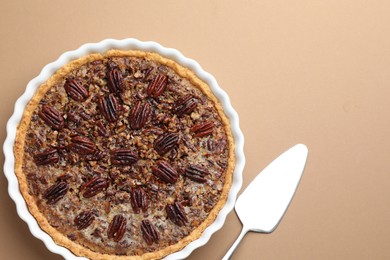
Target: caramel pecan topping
{"type": "Point", "coordinates": [165, 172]}
{"type": "Point", "coordinates": [56, 192]}
{"type": "Point", "coordinates": [109, 107]}
{"type": "Point", "coordinates": [117, 228]}
{"type": "Point", "coordinates": [157, 86]}
{"type": "Point", "coordinates": [149, 232]}
{"type": "Point", "coordinates": [123, 156]}
{"type": "Point", "coordinates": [176, 213]}
{"type": "Point", "coordinates": [166, 142]}
{"type": "Point", "coordinates": [196, 173]}
{"type": "Point", "coordinates": [94, 186]}
{"type": "Point", "coordinates": [139, 115]}
{"type": "Point", "coordinates": [52, 117]}
{"type": "Point", "coordinates": [82, 145]}
{"type": "Point", "coordinates": [115, 81]}
{"type": "Point", "coordinates": [139, 200]}
{"type": "Point", "coordinates": [202, 129]}
{"type": "Point", "coordinates": [75, 90]}
{"type": "Point", "coordinates": [47, 156]}
{"type": "Point", "coordinates": [84, 219]}
{"type": "Point", "coordinates": [185, 105]}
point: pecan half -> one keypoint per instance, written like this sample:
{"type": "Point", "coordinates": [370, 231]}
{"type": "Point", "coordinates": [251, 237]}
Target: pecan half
{"type": "Point", "coordinates": [94, 186]}
{"type": "Point", "coordinates": [102, 130]}
{"type": "Point", "coordinates": [117, 228]}
{"type": "Point", "coordinates": [123, 156]}
{"type": "Point", "coordinates": [75, 90]}
{"type": "Point", "coordinates": [157, 86]}
{"type": "Point", "coordinates": [139, 115]}
{"type": "Point", "coordinates": [82, 145]}
{"type": "Point", "coordinates": [166, 142]}
{"type": "Point", "coordinates": [64, 177]}
{"type": "Point", "coordinates": [107, 206]}
{"type": "Point", "coordinates": [52, 117]}
{"type": "Point", "coordinates": [96, 156]}
{"type": "Point", "coordinates": [149, 232]}
{"type": "Point", "coordinates": [196, 173]}
{"type": "Point", "coordinates": [176, 213]}
{"type": "Point", "coordinates": [73, 117]}
{"type": "Point", "coordinates": [185, 105]}
{"type": "Point", "coordinates": [56, 192]}
{"type": "Point", "coordinates": [202, 129]}
{"type": "Point", "coordinates": [165, 172]}
{"type": "Point", "coordinates": [109, 107]}
{"type": "Point", "coordinates": [84, 219]}
{"type": "Point", "coordinates": [115, 81]}
{"type": "Point", "coordinates": [47, 156]}
{"type": "Point", "coordinates": [139, 200]}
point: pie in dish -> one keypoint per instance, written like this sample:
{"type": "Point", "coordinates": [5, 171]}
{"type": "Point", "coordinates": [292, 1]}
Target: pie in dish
{"type": "Point", "coordinates": [124, 154]}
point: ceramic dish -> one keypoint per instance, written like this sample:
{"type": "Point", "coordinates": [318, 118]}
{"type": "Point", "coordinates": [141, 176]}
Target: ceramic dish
{"type": "Point", "coordinates": [102, 47]}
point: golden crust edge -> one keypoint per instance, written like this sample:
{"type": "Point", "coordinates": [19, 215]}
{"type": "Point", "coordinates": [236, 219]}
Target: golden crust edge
{"type": "Point", "coordinates": [58, 237]}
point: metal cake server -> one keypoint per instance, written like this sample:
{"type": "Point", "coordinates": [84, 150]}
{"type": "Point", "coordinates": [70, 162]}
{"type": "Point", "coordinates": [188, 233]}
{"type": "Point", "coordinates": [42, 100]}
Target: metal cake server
{"type": "Point", "coordinates": [263, 203]}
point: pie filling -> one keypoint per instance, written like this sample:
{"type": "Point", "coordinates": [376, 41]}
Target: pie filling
{"type": "Point", "coordinates": [124, 156]}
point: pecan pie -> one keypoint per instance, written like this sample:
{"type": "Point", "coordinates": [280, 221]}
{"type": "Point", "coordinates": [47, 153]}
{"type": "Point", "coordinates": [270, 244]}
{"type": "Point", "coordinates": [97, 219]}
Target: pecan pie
{"type": "Point", "coordinates": [122, 154]}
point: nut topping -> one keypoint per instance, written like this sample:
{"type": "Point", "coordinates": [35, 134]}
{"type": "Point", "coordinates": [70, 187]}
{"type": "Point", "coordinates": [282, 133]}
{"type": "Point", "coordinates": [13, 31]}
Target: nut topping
{"type": "Point", "coordinates": [149, 232]}
{"type": "Point", "coordinates": [139, 115]}
{"type": "Point", "coordinates": [109, 107]}
{"type": "Point", "coordinates": [115, 81]}
{"type": "Point", "coordinates": [123, 156]}
{"type": "Point", "coordinates": [176, 213]}
{"type": "Point", "coordinates": [56, 192]}
{"type": "Point", "coordinates": [117, 228]}
{"type": "Point", "coordinates": [52, 117]}
{"type": "Point", "coordinates": [94, 186]}
{"type": "Point", "coordinates": [139, 200]}
{"type": "Point", "coordinates": [166, 142]}
{"type": "Point", "coordinates": [47, 156]}
{"type": "Point", "coordinates": [165, 172]}
{"type": "Point", "coordinates": [126, 155]}
{"type": "Point", "coordinates": [202, 129]}
{"type": "Point", "coordinates": [82, 145]}
{"type": "Point", "coordinates": [157, 86]}
{"type": "Point", "coordinates": [84, 219]}
{"type": "Point", "coordinates": [185, 105]}
{"type": "Point", "coordinates": [75, 90]}
{"type": "Point", "coordinates": [196, 173]}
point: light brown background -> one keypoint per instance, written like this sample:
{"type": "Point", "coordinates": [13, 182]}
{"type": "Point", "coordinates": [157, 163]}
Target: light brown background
{"type": "Point", "coordinates": [316, 72]}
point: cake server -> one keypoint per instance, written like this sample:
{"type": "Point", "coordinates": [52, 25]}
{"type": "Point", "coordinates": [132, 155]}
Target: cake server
{"type": "Point", "coordinates": [263, 203]}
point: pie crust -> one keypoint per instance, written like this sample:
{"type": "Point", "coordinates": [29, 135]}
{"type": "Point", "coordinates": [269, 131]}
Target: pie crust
{"type": "Point", "coordinates": [39, 206]}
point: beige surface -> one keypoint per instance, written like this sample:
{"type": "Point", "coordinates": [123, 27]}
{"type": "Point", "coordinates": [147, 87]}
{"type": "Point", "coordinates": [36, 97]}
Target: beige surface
{"type": "Point", "coordinates": [316, 72]}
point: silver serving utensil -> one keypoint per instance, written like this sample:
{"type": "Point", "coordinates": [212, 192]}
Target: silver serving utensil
{"type": "Point", "coordinates": [263, 203]}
